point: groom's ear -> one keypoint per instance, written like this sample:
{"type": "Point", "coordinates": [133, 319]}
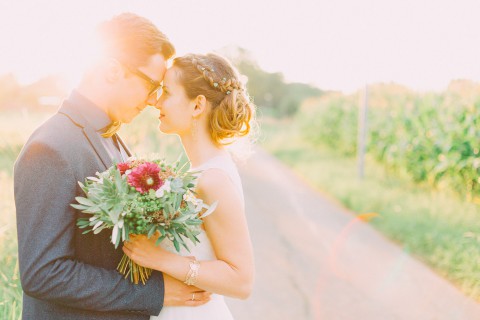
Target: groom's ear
{"type": "Point", "coordinates": [200, 105]}
{"type": "Point", "coordinates": [113, 70]}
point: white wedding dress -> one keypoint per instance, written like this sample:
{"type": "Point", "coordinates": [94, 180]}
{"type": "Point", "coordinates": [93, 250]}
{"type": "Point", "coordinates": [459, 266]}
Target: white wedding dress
{"type": "Point", "coordinates": [216, 308]}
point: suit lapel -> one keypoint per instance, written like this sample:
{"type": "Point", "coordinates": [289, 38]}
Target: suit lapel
{"type": "Point", "coordinates": [90, 134]}
{"type": "Point", "coordinates": [94, 139]}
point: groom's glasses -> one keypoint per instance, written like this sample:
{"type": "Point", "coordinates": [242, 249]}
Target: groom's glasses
{"type": "Point", "coordinates": [155, 86]}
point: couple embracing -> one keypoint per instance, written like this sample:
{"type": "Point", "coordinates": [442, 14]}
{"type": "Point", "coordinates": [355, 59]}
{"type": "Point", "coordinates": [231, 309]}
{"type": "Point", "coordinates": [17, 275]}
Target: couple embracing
{"type": "Point", "coordinates": [69, 275]}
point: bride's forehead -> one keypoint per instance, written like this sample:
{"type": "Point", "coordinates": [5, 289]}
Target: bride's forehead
{"type": "Point", "coordinates": [172, 75]}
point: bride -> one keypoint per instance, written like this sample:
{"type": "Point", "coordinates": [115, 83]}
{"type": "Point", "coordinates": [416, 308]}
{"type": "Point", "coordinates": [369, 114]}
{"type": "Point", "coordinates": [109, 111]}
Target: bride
{"type": "Point", "coordinates": [205, 103]}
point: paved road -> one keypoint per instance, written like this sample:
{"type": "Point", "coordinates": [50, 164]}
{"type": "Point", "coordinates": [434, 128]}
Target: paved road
{"type": "Point", "coordinates": [315, 260]}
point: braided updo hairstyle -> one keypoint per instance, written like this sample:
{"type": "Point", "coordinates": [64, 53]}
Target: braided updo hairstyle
{"type": "Point", "coordinates": [215, 78]}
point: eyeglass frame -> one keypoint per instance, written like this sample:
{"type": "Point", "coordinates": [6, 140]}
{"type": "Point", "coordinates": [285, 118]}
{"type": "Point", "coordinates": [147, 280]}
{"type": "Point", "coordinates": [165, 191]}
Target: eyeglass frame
{"type": "Point", "coordinates": [156, 86]}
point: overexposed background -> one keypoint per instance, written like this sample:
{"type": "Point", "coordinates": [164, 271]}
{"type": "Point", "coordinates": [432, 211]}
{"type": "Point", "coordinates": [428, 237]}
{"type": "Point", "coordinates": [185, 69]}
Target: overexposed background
{"type": "Point", "coordinates": [339, 45]}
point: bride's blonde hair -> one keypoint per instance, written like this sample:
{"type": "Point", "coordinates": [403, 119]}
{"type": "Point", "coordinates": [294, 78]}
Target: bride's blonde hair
{"type": "Point", "coordinates": [213, 76]}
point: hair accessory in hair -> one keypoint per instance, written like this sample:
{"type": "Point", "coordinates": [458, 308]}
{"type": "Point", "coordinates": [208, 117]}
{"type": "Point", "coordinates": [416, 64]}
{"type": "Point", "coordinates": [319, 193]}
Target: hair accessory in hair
{"type": "Point", "coordinates": [228, 92]}
{"type": "Point", "coordinates": [215, 84]}
{"type": "Point", "coordinates": [203, 68]}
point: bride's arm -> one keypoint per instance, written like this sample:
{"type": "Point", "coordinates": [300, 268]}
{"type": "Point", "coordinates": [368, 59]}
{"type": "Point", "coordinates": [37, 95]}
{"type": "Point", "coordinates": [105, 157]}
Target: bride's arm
{"type": "Point", "coordinates": [233, 271]}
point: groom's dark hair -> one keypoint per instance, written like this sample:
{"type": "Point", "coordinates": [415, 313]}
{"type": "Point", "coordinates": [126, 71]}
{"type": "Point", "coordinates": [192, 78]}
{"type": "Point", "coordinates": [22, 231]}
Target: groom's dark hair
{"type": "Point", "coordinates": [133, 39]}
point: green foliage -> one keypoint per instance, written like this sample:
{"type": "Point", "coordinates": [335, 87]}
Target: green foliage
{"type": "Point", "coordinates": [10, 289]}
{"type": "Point", "coordinates": [270, 92]}
{"type": "Point", "coordinates": [8, 153]}
{"type": "Point", "coordinates": [331, 121]}
{"type": "Point", "coordinates": [432, 137]}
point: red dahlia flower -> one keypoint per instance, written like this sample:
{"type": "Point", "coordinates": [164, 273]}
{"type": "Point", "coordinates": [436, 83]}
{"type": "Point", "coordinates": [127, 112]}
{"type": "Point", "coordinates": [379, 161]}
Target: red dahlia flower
{"type": "Point", "coordinates": [123, 167]}
{"type": "Point", "coordinates": [145, 177]}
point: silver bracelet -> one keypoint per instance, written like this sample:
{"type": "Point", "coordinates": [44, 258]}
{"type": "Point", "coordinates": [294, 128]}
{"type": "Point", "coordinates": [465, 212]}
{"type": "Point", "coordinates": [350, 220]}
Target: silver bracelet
{"type": "Point", "coordinates": [192, 274]}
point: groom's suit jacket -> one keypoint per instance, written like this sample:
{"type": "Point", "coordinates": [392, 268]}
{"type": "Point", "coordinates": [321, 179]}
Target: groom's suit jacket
{"type": "Point", "coordinates": [66, 274]}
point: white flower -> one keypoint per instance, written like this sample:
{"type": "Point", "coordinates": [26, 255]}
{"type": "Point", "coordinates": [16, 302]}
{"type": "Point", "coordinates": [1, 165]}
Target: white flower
{"type": "Point", "coordinates": [164, 188]}
{"type": "Point", "coordinates": [128, 172]}
{"type": "Point", "coordinates": [191, 198]}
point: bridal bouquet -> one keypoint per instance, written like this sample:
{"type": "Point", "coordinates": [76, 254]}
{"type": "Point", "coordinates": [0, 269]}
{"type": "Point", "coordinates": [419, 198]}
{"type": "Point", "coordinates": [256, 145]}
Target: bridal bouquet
{"type": "Point", "coordinates": [142, 197]}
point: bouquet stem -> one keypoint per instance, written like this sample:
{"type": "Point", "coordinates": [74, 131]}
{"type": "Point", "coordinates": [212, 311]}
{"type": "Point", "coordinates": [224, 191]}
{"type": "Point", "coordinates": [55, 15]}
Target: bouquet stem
{"type": "Point", "coordinates": [137, 273]}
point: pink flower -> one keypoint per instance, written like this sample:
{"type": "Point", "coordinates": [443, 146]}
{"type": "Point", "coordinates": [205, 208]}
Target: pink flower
{"type": "Point", "coordinates": [123, 167]}
{"type": "Point", "coordinates": [145, 177]}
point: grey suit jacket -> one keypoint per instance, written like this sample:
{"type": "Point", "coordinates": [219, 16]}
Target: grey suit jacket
{"type": "Point", "coordinates": [66, 274]}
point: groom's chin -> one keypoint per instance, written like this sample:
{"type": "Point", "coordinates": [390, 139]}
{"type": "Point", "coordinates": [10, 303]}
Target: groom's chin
{"type": "Point", "coordinates": [127, 120]}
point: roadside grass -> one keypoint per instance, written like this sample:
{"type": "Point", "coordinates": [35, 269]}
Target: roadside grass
{"type": "Point", "coordinates": [437, 227]}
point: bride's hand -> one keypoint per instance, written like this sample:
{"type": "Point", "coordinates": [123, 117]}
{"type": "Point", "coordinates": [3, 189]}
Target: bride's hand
{"type": "Point", "coordinates": [144, 252]}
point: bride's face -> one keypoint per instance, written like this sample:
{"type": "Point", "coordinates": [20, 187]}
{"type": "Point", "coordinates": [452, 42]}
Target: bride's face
{"type": "Point", "coordinates": [174, 105]}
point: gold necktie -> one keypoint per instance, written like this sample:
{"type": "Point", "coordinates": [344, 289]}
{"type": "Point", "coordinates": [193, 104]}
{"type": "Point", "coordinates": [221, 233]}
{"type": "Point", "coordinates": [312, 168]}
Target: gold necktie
{"type": "Point", "coordinates": [112, 129]}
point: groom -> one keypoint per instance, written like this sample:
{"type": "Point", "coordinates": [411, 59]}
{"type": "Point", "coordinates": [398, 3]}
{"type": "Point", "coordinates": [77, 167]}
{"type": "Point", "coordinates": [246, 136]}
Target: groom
{"type": "Point", "coordinates": [65, 274]}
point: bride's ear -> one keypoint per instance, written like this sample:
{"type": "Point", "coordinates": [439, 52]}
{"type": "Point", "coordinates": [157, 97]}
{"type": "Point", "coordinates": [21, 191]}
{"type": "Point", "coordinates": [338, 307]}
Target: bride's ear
{"type": "Point", "coordinates": [200, 105]}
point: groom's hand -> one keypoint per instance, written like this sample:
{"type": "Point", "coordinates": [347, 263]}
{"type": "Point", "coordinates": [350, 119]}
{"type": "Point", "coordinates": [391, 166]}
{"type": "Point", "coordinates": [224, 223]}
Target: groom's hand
{"type": "Point", "coordinates": [178, 293]}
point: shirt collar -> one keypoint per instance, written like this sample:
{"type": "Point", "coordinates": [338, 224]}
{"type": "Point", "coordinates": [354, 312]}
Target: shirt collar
{"type": "Point", "coordinates": [96, 117]}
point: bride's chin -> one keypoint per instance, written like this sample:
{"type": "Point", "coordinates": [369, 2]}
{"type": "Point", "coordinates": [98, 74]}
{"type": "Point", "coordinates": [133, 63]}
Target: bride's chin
{"type": "Point", "coordinates": [164, 130]}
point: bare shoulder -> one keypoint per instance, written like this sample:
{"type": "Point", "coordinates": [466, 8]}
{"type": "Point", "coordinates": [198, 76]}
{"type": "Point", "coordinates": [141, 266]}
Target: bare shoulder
{"type": "Point", "coordinates": [216, 184]}
{"type": "Point", "coordinates": [214, 179]}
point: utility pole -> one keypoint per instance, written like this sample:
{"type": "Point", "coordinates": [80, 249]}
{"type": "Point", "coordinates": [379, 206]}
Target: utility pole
{"type": "Point", "coordinates": [362, 133]}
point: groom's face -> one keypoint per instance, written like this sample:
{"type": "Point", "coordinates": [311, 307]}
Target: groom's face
{"type": "Point", "coordinates": [135, 91]}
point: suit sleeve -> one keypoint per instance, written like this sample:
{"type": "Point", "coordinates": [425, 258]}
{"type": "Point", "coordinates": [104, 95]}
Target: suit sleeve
{"type": "Point", "coordinates": [44, 189]}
